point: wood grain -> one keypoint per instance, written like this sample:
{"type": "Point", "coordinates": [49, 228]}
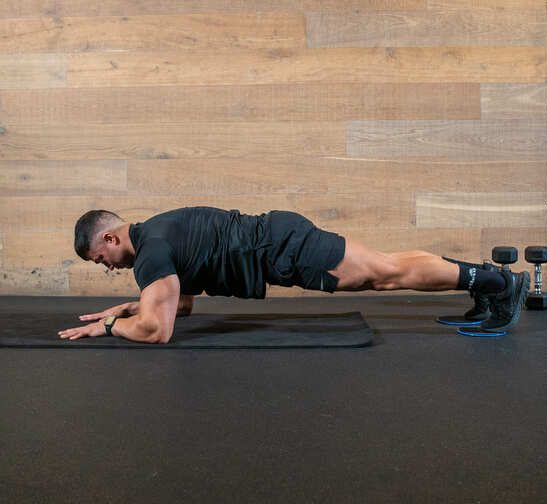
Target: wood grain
{"type": "Point", "coordinates": [516, 139]}
{"type": "Point", "coordinates": [330, 176]}
{"type": "Point", "coordinates": [2, 248]}
{"type": "Point", "coordinates": [190, 140]}
{"type": "Point", "coordinates": [461, 243]}
{"type": "Point", "coordinates": [406, 124]}
{"type": "Point", "coordinates": [58, 8]}
{"type": "Point", "coordinates": [153, 32]}
{"type": "Point", "coordinates": [284, 66]}
{"type": "Point", "coordinates": [339, 214]}
{"type": "Point", "coordinates": [85, 279]}
{"type": "Point", "coordinates": [503, 101]}
{"type": "Point", "coordinates": [32, 71]}
{"type": "Point", "coordinates": [256, 176]}
{"type": "Point", "coordinates": [431, 28]}
{"type": "Point", "coordinates": [264, 103]}
{"type": "Point", "coordinates": [71, 177]}
{"type": "Point", "coordinates": [34, 282]}
{"type": "Point", "coordinates": [46, 251]}
{"type": "Point", "coordinates": [493, 5]}
{"type": "Point", "coordinates": [483, 210]}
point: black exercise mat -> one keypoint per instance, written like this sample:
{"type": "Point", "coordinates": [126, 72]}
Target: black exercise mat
{"type": "Point", "coordinates": [274, 330]}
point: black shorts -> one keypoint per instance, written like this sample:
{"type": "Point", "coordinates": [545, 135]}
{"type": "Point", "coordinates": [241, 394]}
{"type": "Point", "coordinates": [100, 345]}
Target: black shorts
{"type": "Point", "coordinates": [301, 254]}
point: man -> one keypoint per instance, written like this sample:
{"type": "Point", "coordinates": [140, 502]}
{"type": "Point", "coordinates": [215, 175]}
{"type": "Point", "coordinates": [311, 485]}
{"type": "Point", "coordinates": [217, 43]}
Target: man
{"type": "Point", "coordinates": [183, 252]}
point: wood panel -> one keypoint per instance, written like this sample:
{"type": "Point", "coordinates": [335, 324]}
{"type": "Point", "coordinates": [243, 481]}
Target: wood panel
{"type": "Point", "coordinates": [28, 248]}
{"type": "Point", "coordinates": [498, 5]}
{"type": "Point", "coordinates": [32, 71]}
{"type": "Point", "coordinates": [193, 140]}
{"type": "Point", "coordinates": [298, 175]}
{"type": "Point", "coordinates": [273, 66]}
{"type": "Point", "coordinates": [516, 139]}
{"type": "Point", "coordinates": [402, 123]}
{"type": "Point", "coordinates": [461, 243]}
{"type": "Point", "coordinates": [496, 210]}
{"type": "Point", "coordinates": [190, 31]}
{"type": "Point", "coordinates": [87, 279]}
{"type": "Point", "coordinates": [62, 177]}
{"type": "Point", "coordinates": [236, 67]}
{"type": "Point", "coordinates": [51, 267]}
{"type": "Point", "coordinates": [2, 248]}
{"type": "Point", "coordinates": [434, 27]}
{"type": "Point", "coordinates": [341, 213]}
{"type": "Point", "coordinates": [34, 282]}
{"type": "Point", "coordinates": [57, 8]}
{"type": "Point", "coordinates": [330, 176]}
{"type": "Point", "coordinates": [266, 103]}
{"type": "Point", "coordinates": [503, 101]}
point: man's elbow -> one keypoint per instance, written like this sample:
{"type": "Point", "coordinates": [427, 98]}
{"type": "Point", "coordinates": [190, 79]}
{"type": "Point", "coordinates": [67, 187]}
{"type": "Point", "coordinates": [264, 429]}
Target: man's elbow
{"type": "Point", "coordinates": [160, 338]}
{"type": "Point", "coordinates": [152, 332]}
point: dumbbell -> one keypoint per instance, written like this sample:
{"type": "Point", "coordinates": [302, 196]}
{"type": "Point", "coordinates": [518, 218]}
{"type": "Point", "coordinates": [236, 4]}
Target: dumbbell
{"type": "Point", "coordinates": [505, 256]}
{"type": "Point", "coordinates": [537, 300]}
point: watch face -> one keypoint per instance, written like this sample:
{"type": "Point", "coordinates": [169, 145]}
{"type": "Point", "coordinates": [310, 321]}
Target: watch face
{"type": "Point", "coordinates": [110, 320]}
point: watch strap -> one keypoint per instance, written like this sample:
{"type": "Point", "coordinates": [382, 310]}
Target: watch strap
{"type": "Point", "coordinates": [108, 323]}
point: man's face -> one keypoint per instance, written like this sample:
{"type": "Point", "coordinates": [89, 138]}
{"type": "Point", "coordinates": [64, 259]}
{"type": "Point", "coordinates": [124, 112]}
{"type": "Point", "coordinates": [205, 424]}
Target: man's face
{"type": "Point", "coordinates": [102, 255]}
{"type": "Point", "coordinates": [111, 254]}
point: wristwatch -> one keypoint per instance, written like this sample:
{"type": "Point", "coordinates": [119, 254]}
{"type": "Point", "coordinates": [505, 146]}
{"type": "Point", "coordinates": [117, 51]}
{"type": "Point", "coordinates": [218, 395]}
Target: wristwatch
{"type": "Point", "coordinates": [108, 323]}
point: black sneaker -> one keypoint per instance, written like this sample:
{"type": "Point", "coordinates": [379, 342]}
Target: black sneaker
{"type": "Point", "coordinates": [481, 310]}
{"type": "Point", "coordinates": [507, 305]}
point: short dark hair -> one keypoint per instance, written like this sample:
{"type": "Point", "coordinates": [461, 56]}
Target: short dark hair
{"type": "Point", "coordinates": [89, 225]}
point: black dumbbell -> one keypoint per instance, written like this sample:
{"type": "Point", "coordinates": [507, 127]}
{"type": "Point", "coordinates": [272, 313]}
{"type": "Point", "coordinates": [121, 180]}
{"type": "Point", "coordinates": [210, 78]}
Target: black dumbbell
{"type": "Point", "coordinates": [505, 256]}
{"type": "Point", "coordinates": [537, 300]}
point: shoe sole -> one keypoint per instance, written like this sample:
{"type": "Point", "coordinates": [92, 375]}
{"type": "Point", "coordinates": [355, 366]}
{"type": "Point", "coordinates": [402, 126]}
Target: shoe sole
{"type": "Point", "coordinates": [523, 294]}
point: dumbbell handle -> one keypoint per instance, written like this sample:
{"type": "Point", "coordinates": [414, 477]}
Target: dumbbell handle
{"type": "Point", "coordinates": [537, 279]}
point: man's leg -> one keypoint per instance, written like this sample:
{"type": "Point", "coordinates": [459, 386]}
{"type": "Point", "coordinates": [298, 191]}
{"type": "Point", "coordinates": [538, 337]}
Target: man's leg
{"type": "Point", "coordinates": [364, 268]}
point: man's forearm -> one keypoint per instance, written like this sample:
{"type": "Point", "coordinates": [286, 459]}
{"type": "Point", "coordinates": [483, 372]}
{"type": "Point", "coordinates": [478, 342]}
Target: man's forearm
{"type": "Point", "coordinates": [132, 328]}
{"type": "Point", "coordinates": [184, 309]}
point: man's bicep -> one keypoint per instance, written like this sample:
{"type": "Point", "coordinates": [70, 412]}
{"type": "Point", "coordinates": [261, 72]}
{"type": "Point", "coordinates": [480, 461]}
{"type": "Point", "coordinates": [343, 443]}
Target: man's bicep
{"type": "Point", "coordinates": [158, 306]}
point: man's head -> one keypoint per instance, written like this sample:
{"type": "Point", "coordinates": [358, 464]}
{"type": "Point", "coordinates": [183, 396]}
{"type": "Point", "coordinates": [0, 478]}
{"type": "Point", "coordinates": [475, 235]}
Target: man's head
{"type": "Point", "coordinates": [102, 236]}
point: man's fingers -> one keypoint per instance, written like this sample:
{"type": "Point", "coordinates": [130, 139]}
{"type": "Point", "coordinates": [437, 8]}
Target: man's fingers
{"type": "Point", "coordinates": [71, 334]}
{"type": "Point", "coordinates": [92, 316]}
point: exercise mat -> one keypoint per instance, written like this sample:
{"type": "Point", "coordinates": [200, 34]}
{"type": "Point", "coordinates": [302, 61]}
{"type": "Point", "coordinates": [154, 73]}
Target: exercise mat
{"type": "Point", "coordinates": [272, 330]}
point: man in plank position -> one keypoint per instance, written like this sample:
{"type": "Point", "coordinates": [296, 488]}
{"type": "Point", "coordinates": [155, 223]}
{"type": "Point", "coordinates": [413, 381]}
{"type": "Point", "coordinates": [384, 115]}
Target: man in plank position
{"type": "Point", "coordinates": [181, 253]}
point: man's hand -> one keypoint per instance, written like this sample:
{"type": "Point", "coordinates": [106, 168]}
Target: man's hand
{"type": "Point", "coordinates": [123, 310]}
{"type": "Point", "coordinates": [92, 330]}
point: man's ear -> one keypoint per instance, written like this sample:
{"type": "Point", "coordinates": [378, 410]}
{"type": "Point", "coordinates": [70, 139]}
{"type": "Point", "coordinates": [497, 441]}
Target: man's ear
{"type": "Point", "coordinates": [109, 237]}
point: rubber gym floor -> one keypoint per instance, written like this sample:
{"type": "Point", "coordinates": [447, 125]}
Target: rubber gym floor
{"type": "Point", "coordinates": [424, 415]}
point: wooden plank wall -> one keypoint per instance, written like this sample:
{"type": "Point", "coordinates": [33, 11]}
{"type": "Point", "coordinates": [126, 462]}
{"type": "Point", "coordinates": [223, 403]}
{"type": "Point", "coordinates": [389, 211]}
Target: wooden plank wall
{"type": "Point", "coordinates": [403, 123]}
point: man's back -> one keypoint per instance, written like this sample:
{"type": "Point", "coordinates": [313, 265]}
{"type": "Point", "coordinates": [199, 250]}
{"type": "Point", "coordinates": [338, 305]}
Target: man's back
{"type": "Point", "coordinates": [222, 252]}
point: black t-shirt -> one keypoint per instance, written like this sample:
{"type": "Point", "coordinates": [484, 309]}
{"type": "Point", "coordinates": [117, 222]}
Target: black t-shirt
{"type": "Point", "coordinates": [217, 251]}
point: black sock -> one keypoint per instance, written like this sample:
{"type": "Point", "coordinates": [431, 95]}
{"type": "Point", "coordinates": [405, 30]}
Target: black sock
{"type": "Point", "coordinates": [476, 279]}
{"type": "Point", "coordinates": [463, 263]}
